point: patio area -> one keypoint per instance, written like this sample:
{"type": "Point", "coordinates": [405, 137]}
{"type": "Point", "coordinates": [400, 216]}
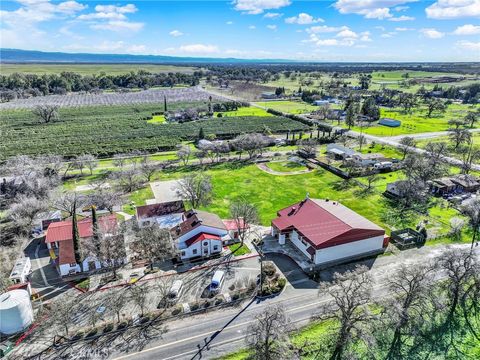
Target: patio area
{"type": "Point", "coordinates": [271, 245]}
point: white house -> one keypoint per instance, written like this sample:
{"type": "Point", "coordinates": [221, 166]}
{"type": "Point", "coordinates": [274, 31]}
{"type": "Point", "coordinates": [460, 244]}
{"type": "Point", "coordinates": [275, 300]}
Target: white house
{"type": "Point", "coordinates": [166, 214]}
{"type": "Point", "coordinates": [327, 232]}
{"type": "Point", "coordinates": [339, 151]}
{"type": "Point", "coordinates": [200, 234]}
{"type": "Point", "coordinates": [59, 240]}
{"type": "Point", "coordinates": [367, 159]}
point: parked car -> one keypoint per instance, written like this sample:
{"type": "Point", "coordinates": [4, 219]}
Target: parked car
{"type": "Point", "coordinates": [175, 291]}
{"type": "Point", "coordinates": [217, 281]}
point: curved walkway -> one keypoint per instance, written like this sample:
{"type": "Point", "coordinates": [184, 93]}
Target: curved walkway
{"type": "Point", "coordinates": [265, 168]}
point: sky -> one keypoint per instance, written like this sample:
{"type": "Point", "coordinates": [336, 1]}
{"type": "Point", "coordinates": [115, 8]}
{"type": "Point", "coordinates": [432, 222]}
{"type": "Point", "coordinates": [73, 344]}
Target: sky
{"type": "Point", "coordinates": [316, 30]}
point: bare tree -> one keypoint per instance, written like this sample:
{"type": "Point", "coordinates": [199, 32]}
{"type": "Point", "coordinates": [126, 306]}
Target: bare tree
{"type": "Point", "coordinates": [361, 139]}
{"type": "Point", "coordinates": [46, 113]}
{"type": "Point", "coordinates": [250, 143]}
{"type": "Point", "coordinates": [127, 180]}
{"type": "Point", "coordinates": [403, 312]}
{"type": "Point", "coordinates": [106, 198]}
{"type": "Point", "coordinates": [184, 153]}
{"type": "Point", "coordinates": [309, 147]}
{"type": "Point", "coordinates": [147, 168]}
{"type": "Point", "coordinates": [152, 243]}
{"type": "Point", "coordinates": [138, 294]}
{"type": "Point", "coordinates": [119, 160]}
{"type": "Point", "coordinates": [90, 162]}
{"type": "Point", "coordinates": [407, 143]}
{"type": "Point", "coordinates": [244, 214]}
{"type": "Point", "coordinates": [117, 302]}
{"type": "Point", "coordinates": [471, 209]}
{"type": "Point", "coordinates": [24, 212]}
{"type": "Point", "coordinates": [371, 179]}
{"type": "Point", "coordinates": [456, 226]}
{"type": "Point", "coordinates": [267, 337]}
{"type": "Point", "coordinates": [351, 293]}
{"type": "Point", "coordinates": [469, 155]}
{"type": "Point", "coordinates": [196, 188]}
{"type": "Point", "coordinates": [65, 201]}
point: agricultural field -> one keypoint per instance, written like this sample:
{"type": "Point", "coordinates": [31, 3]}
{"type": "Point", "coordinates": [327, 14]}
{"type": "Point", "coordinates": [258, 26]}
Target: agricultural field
{"type": "Point", "coordinates": [121, 98]}
{"type": "Point", "coordinates": [245, 111]}
{"type": "Point", "coordinates": [292, 107]}
{"type": "Point", "coordinates": [92, 69]}
{"type": "Point", "coordinates": [106, 130]}
{"type": "Point", "coordinates": [286, 166]}
{"type": "Point", "coordinates": [417, 121]}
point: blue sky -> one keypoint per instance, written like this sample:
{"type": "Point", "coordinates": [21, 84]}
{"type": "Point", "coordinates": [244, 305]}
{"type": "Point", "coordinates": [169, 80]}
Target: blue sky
{"type": "Point", "coordinates": [342, 30]}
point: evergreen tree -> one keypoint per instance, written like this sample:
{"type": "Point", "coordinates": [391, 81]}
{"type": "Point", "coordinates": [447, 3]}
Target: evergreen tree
{"type": "Point", "coordinates": [76, 235]}
{"type": "Point", "coordinates": [165, 104]}
{"type": "Point", "coordinates": [95, 232]}
{"type": "Point", "coordinates": [201, 134]}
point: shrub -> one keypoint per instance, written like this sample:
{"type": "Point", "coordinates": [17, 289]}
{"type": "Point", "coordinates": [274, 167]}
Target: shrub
{"type": "Point", "coordinates": [92, 332]}
{"type": "Point", "coordinates": [231, 287]}
{"type": "Point", "coordinates": [78, 335]}
{"type": "Point", "coordinates": [268, 268]}
{"type": "Point", "coordinates": [194, 307]}
{"type": "Point", "coordinates": [219, 301]}
{"type": "Point", "coordinates": [108, 328]}
{"type": "Point", "coordinates": [122, 325]}
{"type": "Point", "coordinates": [177, 310]}
{"type": "Point", "coordinates": [282, 282]}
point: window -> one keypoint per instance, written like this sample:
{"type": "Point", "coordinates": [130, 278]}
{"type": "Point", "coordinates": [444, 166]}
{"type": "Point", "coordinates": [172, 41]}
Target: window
{"type": "Point", "coordinates": [194, 251]}
{"type": "Point", "coordinates": [73, 264]}
{"type": "Point", "coordinates": [146, 223]}
{"type": "Point", "coordinates": [215, 247]}
{"type": "Point", "coordinates": [205, 243]}
{"type": "Point", "coordinates": [183, 253]}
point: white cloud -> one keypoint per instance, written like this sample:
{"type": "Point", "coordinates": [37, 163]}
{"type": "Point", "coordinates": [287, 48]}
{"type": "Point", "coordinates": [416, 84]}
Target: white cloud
{"type": "Point", "coordinates": [175, 33]}
{"type": "Point", "coordinates": [252, 27]}
{"type": "Point", "coordinates": [467, 29]}
{"type": "Point", "coordinates": [432, 33]}
{"type": "Point", "coordinates": [112, 18]}
{"type": "Point", "coordinates": [347, 33]}
{"type": "Point", "coordinates": [303, 19]}
{"type": "Point", "coordinates": [381, 28]}
{"type": "Point", "coordinates": [272, 27]}
{"type": "Point", "coordinates": [199, 49]}
{"type": "Point", "coordinates": [328, 42]}
{"type": "Point", "coordinates": [254, 7]}
{"type": "Point", "coordinates": [324, 29]}
{"type": "Point", "coordinates": [469, 45]}
{"type": "Point", "coordinates": [388, 35]}
{"type": "Point", "coordinates": [272, 15]}
{"type": "Point", "coordinates": [402, 18]}
{"type": "Point", "coordinates": [118, 25]}
{"type": "Point", "coordinates": [404, 29]}
{"type": "Point", "coordinates": [229, 22]}
{"type": "Point", "coordinates": [370, 9]}
{"type": "Point", "coordinates": [365, 36]}
{"type": "Point", "coordinates": [70, 7]}
{"type": "Point", "coordinates": [453, 9]}
{"type": "Point", "coordinates": [401, 8]}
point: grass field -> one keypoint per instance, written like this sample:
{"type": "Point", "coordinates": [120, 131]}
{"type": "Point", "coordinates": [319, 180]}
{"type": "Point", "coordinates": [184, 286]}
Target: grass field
{"type": "Point", "coordinates": [239, 249]}
{"type": "Point", "coordinates": [244, 111]}
{"type": "Point", "coordinates": [91, 69]}
{"type": "Point", "coordinates": [417, 122]}
{"type": "Point", "coordinates": [271, 193]}
{"type": "Point", "coordinates": [286, 166]}
{"type": "Point", "coordinates": [292, 107]}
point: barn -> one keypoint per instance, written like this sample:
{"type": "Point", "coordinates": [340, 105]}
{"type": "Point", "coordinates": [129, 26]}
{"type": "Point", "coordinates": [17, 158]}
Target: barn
{"type": "Point", "coordinates": [327, 232]}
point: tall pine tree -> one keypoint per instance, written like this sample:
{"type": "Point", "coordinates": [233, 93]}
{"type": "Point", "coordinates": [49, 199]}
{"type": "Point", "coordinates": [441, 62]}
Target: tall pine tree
{"type": "Point", "coordinates": [95, 233]}
{"type": "Point", "coordinates": [165, 104]}
{"type": "Point", "coordinates": [76, 235]}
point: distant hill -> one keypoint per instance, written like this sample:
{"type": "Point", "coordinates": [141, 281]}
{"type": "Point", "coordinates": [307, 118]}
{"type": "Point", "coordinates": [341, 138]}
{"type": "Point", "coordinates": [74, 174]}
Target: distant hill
{"type": "Point", "coordinates": [27, 56]}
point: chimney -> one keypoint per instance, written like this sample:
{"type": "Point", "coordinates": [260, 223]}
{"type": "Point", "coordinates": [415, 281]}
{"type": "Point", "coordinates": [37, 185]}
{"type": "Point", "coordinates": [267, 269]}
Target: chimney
{"type": "Point", "coordinates": [292, 211]}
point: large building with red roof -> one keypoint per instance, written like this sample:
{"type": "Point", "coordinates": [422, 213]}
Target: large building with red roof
{"type": "Point", "coordinates": [327, 232]}
{"type": "Point", "coordinates": [59, 240]}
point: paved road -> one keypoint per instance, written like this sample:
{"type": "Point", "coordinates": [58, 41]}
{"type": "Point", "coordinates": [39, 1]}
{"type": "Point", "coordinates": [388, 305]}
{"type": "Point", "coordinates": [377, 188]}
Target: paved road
{"type": "Point", "coordinates": [224, 331]}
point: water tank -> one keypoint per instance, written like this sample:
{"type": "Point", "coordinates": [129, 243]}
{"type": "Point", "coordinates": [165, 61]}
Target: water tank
{"type": "Point", "coordinates": [16, 312]}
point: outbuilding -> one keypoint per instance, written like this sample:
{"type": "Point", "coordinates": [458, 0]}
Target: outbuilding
{"type": "Point", "coordinates": [327, 232]}
{"type": "Point", "coordinates": [390, 122]}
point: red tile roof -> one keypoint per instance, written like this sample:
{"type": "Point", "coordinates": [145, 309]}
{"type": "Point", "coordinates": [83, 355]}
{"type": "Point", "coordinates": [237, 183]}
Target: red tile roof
{"type": "Point", "coordinates": [325, 223]}
{"type": "Point", "coordinates": [231, 224]}
{"type": "Point", "coordinates": [195, 218]}
{"type": "Point", "coordinates": [200, 237]}
{"type": "Point", "coordinates": [61, 231]}
{"type": "Point", "coordinates": [66, 254]}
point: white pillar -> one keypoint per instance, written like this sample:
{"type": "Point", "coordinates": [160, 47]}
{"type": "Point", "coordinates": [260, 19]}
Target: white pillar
{"type": "Point", "coordinates": [281, 239]}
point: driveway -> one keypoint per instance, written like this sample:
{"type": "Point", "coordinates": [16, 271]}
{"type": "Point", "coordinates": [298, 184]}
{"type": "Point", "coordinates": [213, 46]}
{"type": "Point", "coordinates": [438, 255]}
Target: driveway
{"type": "Point", "coordinates": [295, 276]}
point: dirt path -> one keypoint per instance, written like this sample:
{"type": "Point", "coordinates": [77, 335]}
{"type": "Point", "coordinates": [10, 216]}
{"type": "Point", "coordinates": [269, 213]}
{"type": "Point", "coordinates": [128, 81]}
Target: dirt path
{"type": "Point", "coordinates": [264, 167]}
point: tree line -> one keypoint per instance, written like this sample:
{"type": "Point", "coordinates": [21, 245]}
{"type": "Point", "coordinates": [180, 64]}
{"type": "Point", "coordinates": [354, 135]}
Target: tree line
{"type": "Point", "coordinates": [20, 85]}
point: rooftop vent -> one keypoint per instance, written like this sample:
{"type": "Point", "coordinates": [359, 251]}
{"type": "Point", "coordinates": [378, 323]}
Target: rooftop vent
{"type": "Point", "coordinates": [292, 211]}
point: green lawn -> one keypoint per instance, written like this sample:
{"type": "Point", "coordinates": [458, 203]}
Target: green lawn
{"type": "Point", "coordinates": [239, 249]}
{"type": "Point", "coordinates": [271, 193]}
{"type": "Point", "coordinates": [292, 107]}
{"type": "Point", "coordinates": [157, 119]}
{"type": "Point", "coordinates": [138, 198]}
{"type": "Point", "coordinates": [244, 111]}
{"type": "Point", "coordinates": [286, 166]}
{"type": "Point", "coordinates": [416, 122]}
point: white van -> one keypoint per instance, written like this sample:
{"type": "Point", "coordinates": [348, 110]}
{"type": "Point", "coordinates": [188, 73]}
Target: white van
{"type": "Point", "coordinates": [383, 165]}
{"type": "Point", "coordinates": [217, 281]}
{"type": "Point", "coordinates": [175, 291]}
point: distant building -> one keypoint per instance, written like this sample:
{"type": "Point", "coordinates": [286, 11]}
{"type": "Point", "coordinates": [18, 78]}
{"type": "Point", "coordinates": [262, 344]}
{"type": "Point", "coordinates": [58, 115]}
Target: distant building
{"type": "Point", "coordinates": [269, 95]}
{"type": "Point", "coordinates": [327, 232]}
{"type": "Point", "coordinates": [21, 271]}
{"type": "Point", "coordinates": [338, 151]}
{"type": "Point", "coordinates": [367, 159]}
{"type": "Point", "coordinates": [390, 122]}
{"type": "Point", "coordinates": [396, 189]}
